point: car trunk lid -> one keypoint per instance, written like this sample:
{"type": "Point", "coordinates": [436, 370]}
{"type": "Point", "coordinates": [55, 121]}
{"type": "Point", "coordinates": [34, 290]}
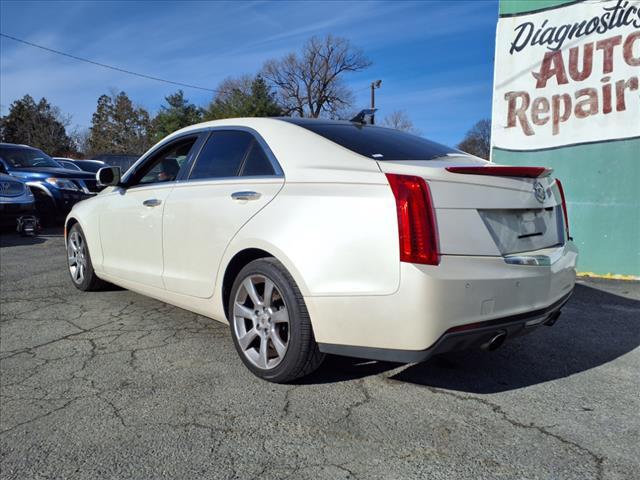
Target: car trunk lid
{"type": "Point", "coordinates": [483, 209]}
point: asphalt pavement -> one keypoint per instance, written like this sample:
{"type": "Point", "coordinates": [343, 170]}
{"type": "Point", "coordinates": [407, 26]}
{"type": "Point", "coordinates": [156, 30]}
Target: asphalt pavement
{"type": "Point", "coordinates": [115, 385]}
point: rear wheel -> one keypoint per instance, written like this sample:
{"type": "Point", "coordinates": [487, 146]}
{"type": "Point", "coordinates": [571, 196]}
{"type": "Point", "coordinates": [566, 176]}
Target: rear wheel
{"type": "Point", "coordinates": [270, 324]}
{"type": "Point", "coordinates": [79, 262]}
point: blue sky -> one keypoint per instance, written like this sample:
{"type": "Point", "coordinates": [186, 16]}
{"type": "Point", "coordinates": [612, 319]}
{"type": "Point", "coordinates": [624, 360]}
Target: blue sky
{"type": "Point", "coordinates": [435, 58]}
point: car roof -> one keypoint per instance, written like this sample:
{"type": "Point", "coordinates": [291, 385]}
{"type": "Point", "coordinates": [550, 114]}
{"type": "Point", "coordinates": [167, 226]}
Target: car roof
{"type": "Point", "coordinates": [248, 121]}
{"type": "Point", "coordinates": [303, 122]}
{"type": "Point", "coordinates": [258, 123]}
{"type": "Point", "coordinates": [303, 155]}
{"type": "Point", "coordinates": [17, 145]}
{"type": "Point", "coordinates": [316, 121]}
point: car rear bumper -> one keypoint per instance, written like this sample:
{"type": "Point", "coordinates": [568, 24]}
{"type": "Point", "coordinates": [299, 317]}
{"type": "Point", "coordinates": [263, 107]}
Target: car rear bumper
{"type": "Point", "coordinates": [432, 300]}
{"type": "Point", "coordinates": [480, 335]}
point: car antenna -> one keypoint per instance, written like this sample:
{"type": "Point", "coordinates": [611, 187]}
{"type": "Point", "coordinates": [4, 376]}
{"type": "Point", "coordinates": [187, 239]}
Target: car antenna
{"type": "Point", "coordinates": [365, 117]}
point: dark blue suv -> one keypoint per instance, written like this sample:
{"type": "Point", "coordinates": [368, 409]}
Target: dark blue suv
{"type": "Point", "coordinates": [55, 189]}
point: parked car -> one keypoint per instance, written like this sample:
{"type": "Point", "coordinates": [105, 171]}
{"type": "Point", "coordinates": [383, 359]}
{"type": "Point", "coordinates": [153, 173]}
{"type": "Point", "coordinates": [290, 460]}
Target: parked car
{"type": "Point", "coordinates": [316, 236]}
{"type": "Point", "coordinates": [16, 201]}
{"type": "Point", "coordinates": [56, 189]}
{"type": "Point", "coordinates": [67, 163]}
{"type": "Point", "coordinates": [91, 166]}
{"type": "Point", "coordinates": [123, 161]}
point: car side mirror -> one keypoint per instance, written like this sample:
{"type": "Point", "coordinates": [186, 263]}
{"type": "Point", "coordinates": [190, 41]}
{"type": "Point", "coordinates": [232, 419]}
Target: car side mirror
{"type": "Point", "coordinates": [108, 176]}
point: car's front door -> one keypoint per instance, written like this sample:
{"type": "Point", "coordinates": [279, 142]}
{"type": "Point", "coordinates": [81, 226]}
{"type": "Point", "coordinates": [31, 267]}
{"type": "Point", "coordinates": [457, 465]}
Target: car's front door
{"type": "Point", "coordinates": [131, 216]}
{"type": "Point", "coordinates": [234, 177]}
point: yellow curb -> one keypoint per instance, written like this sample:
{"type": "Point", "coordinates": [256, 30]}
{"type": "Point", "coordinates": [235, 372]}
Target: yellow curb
{"type": "Point", "coordinates": [608, 276]}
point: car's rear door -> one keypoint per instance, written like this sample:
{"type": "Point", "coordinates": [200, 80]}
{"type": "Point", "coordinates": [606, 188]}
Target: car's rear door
{"type": "Point", "coordinates": [130, 219]}
{"type": "Point", "coordinates": [234, 176]}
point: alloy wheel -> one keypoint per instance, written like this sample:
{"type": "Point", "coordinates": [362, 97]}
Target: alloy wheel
{"type": "Point", "coordinates": [77, 255]}
{"type": "Point", "coordinates": [261, 321]}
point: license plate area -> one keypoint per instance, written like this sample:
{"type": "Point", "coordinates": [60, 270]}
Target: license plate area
{"type": "Point", "coordinates": [522, 230]}
{"type": "Point", "coordinates": [532, 222]}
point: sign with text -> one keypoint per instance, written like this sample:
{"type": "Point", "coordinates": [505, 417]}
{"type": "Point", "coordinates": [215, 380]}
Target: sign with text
{"type": "Point", "coordinates": [567, 75]}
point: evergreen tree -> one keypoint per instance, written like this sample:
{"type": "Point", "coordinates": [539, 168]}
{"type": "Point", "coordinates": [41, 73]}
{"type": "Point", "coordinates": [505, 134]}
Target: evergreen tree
{"type": "Point", "coordinates": [119, 127]}
{"type": "Point", "coordinates": [263, 103]}
{"type": "Point", "coordinates": [177, 114]}
{"type": "Point", "coordinates": [243, 97]}
{"type": "Point", "coordinates": [39, 125]}
{"type": "Point", "coordinates": [101, 131]}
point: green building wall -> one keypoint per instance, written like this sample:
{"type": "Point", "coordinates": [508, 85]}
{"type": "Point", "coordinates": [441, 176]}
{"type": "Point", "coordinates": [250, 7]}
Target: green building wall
{"type": "Point", "coordinates": [602, 185]}
{"type": "Point", "coordinates": [508, 7]}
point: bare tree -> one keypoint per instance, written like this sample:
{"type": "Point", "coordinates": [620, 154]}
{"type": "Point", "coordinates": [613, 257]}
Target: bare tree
{"type": "Point", "coordinates": [230, 85]}
{"type": "Point", "coordinates": [477, 141]}
{"type": "Point", "coordinates": [310, 84]}
{"type": "Point", "coordinates": [400, 121]}
{"type": "Point", "coordinates": [80, 138]}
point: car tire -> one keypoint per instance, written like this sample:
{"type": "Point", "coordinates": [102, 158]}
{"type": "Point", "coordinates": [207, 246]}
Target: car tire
{"type": "Point", "coordinates": [79, 263]}
{"type": "Point", "coordinates": [261, 326]}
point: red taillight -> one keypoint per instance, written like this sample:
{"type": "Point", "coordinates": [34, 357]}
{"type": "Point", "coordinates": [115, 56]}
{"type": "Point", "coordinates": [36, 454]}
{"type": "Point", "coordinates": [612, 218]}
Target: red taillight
{"type": "Point", "coordinates": [564, 206]}
{"type": "Point", "coordinates": [500, 171]}
{"type": "Point", "coordinates": [417, 230]}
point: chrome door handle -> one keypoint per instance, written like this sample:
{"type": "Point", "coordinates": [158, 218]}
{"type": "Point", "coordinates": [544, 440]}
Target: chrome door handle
{"type": "Point", "coordinates": [152, 202]}
{"type": "Point", "coordinates": [245, 195]}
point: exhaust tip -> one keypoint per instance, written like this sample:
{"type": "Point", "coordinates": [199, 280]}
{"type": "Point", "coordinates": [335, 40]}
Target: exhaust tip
{"type": "Point", "coordinates": [495, 342]}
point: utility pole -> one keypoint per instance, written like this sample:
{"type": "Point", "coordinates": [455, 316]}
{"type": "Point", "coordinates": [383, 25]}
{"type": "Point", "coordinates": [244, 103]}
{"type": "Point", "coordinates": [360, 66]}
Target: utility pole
{"type": "Point", "coordinates": [374, 85]}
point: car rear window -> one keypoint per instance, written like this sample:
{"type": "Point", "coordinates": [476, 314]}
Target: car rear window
{"type": "Point", "coordinates": [222, 155]}
{"type": "Point", "coordinates": [257, 163]}
{"type": "Point", "coordinates": [380, 143]}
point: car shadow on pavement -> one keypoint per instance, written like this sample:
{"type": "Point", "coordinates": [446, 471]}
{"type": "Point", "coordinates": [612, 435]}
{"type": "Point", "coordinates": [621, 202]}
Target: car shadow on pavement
{"type": "Point", "coordinates": [595, 328]}
{"type": "Point", "coordinates": [340, 369]}
{"type": "Point", "coordinates": [10, 238]}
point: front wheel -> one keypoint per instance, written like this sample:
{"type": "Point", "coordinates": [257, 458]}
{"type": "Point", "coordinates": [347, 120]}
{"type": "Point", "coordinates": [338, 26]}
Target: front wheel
{"type": "Point", "coordinates": [79, 262]}
{"type": "Point", "coordinates": [270, 324]}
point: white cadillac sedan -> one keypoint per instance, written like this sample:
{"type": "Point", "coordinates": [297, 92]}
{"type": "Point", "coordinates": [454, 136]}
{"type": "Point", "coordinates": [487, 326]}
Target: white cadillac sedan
{"type": "Point", "coordinates": [314, 236]}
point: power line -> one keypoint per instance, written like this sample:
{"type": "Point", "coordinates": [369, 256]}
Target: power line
{"type": "Point", "coordinates": [118, 69]}
{"type": "Point", "coordinates": [104, 65]}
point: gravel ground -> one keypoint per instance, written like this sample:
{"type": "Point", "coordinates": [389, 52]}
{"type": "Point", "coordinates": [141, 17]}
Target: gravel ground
{"type": "Point", "coordinates": [116, 385]}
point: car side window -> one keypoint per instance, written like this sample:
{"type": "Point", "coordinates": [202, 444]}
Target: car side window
{"type": "Point", "coordinates": [222, 155]}
{"type": "Point", "coordinates": [257, 163]}
{"type": "Point", "coordinates": [164, 165]}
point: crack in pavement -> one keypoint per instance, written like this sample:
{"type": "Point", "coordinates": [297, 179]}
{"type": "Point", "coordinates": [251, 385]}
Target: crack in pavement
{"type": "Point", "coordinates": [118, 381]}
{"type": "Point", "coordinates": [597, 459]}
